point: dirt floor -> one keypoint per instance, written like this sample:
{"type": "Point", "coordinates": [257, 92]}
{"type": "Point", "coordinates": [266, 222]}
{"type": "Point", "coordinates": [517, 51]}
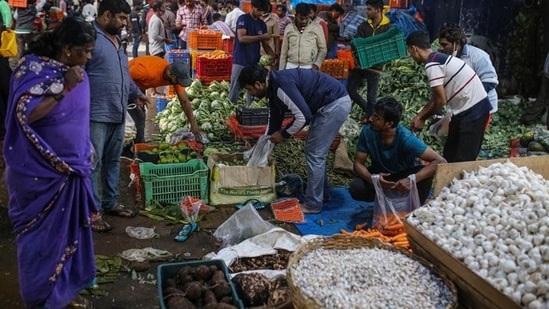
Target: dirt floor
{"type": "Point", "coordinates": [124, 292]}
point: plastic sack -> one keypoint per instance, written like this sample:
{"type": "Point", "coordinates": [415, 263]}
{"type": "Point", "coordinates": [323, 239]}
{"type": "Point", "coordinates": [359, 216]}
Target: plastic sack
{"type": "Point", "coordinates": [9, 45]}
{"type": "Point", "coordinates": [191, 207]}
{"type": "Point", "coordinates": [391, 206]}
{"type": "Point", "coordinates": [259, 154]}
{"type": "Point", "coordinates": [184, 134]}
{"type": "Point", "coordinates": [439, 129]}
{"type": "Point", "coordinates": [243, 224]}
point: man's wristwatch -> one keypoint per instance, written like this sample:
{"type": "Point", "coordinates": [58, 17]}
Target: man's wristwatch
{"type": "Point", "coordinates": [58, 97]}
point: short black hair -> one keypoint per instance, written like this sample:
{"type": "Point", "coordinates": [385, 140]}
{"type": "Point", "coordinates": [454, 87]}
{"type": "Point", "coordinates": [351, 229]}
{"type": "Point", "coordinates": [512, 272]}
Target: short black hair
{"type": "Point", "coordinates": [419, 38]}
{"type": "Point", "coordinates": [113, 6]}
{"type": "Point", "coordinates": [216, 16]}
{"type": "Point", "coordinates": [157, 5]}
{"type": "Point", "coordinates": [336, 7]}
{"type": "Point", "coordinates": [313, 7]}
{"type": "Point", "coordinates": [302, 9]}
{"type": "Point", "coordinates": [390, 109]}
{"type": "Point", "coordinates": [252, 74]}
{"type": "Point", "coordinates": [378, 4]}
{"type": "Point", "coordinates": [262, 5]}
{"type": "Point", "coordinates": [452, 33]}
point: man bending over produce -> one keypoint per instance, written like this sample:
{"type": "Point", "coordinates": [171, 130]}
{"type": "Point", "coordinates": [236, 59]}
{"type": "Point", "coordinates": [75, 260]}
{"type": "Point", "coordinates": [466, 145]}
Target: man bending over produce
{"type": "Point", "coordinates": [393, 151]}
{"type": "Point", "coordinates": [454, 84]}
{"type": "Point", "coordinates": [151, 72]}
{"type": "Point", "coordinates": [315, 99]}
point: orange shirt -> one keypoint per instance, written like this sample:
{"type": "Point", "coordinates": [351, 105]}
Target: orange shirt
{"type": "Point", "coordinates": [148, 72]}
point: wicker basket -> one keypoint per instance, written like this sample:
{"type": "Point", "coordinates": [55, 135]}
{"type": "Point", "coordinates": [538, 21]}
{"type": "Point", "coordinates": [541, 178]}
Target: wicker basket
{"type": "Point", "coordinates": [335, 242]}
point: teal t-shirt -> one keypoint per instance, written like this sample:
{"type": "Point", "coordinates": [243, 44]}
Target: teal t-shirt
{"type": "Point", "coordinates": [400, 155]}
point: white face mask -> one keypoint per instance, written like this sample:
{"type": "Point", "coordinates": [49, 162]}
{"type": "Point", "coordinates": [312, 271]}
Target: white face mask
{"type": "Point", "coordinates": [455, 52]}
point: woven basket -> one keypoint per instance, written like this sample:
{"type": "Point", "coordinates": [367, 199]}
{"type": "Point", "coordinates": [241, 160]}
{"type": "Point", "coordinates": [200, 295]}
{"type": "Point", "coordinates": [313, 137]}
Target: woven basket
{"type": "Point", "coordinates": [340, 242]}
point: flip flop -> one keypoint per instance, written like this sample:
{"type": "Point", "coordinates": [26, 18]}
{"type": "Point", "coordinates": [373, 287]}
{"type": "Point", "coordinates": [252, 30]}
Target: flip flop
{"type": "Point", "coordinates": [255, 202]}
{"type": "Point", "coordinates": [185, 231]}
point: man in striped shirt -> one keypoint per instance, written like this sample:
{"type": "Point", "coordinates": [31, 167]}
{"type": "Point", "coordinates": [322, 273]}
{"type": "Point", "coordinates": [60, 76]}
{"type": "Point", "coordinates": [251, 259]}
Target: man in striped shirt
{"type": "Point", "coordinates": [456, 85]}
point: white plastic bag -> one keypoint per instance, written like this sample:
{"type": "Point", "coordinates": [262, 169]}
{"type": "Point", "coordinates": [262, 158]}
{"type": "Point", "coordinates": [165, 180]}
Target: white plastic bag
{"type": "Point", "coordinates": [243, 224]}
{"type": "Point", "coordinates": [259, 154]}
{"type": "Point", "coordinates": [391, 205]}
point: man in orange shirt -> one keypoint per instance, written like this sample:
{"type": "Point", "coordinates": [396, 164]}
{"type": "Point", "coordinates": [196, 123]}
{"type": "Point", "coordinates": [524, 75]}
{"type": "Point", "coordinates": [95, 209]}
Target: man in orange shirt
{"type": "Point", "coordinates": [151, 72]}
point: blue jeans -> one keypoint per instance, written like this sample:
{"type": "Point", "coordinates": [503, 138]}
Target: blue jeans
{"type": "Point", "coordinates": [322, 131]}
{"type": "Point", "coordinates": [234, 88]}
{"type": "Point", "coordinates": [108, 140]}
{"type": "Point", "coordinates": [135, 46]}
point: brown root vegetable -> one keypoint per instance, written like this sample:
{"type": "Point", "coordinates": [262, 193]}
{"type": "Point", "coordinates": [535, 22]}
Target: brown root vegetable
{"type": "Point", "coordinates": [208, 297]}
{"type": "Point", "coordinates": [213, 268]}
{"type": "Point", "coordinates": [172, 291]}
{"type": "Point", "coordinates": [219, 306]}
{"type": "Point", "coordinates": [218, 276]}
{"type": "Point", "coordinates": [179, 302]}
{"type": "Point", "coordinates": [170, 283]}
{"type": "Point", "coordinates": [253, 288]}
{"type": "Point", "coordinates": [221, 289]}
{"type": "Point", "coordinates": [226, 300]}
{"type": "Point", "coordinates": [279, 293]}
{"type": "Point", "coordinates": [193, 290]}
{"type": "Point", "coordinates": [203, 273]}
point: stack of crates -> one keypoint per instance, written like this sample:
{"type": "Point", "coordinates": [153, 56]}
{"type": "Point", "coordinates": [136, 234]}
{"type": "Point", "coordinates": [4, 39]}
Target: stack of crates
{"type": "Point", "coordinates": [202, 42]}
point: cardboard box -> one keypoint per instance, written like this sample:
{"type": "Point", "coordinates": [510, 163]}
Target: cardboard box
{"type": "Point", "coordinates": [473, 290]}
{"type": "Point", "coordinates": [237, 184]}
{"type": "Point", "coordinates": [447, 172]}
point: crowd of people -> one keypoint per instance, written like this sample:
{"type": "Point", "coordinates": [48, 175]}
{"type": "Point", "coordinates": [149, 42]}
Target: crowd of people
{"type": "Point", "coordinates": [63, 112]}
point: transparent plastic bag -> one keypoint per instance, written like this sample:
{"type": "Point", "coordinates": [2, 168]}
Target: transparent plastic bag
{"type": "Point", "coordinates": [141, 232]}
{"type": "Point", "coordinates": [391, 206]}
{"type": "Point", "coordinates": [191, 207]}
{"type": "Point", "coordinates": [439, 129]}
{"type": "Point", "coordinates": [243, 224]}
{"type": "Point", "coordinates": [259, 154]}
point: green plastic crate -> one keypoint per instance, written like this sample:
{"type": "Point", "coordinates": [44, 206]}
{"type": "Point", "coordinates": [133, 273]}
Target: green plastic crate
{"type": "Point", "coordinates": [170, 183]}
{"type": "Point", "coordinates": [169, 270]}
{"type": "Point", "coordinates": [378, 49]}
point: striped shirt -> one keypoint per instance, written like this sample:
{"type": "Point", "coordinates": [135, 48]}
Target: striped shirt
{"type": "Point", "coordinates": [462, 86]}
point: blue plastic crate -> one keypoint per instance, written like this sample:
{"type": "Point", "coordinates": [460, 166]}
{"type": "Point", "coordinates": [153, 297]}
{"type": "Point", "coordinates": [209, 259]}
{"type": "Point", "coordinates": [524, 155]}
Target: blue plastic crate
{"type": "Point", "coordinates": [161, 102]}
{"type": "Point", "coordinates": [178, 55]}
{"type": "Point", "coordinates": [350, 24]}
{"type": "Point", "coordinates": [167, 271]}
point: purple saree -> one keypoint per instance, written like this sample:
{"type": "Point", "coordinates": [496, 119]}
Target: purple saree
{"type": "Point", "coordinates": [50, 195]}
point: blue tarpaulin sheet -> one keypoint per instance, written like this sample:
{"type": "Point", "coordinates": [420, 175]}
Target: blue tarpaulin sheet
{"type": "Point", "coordinates": [341, 212]}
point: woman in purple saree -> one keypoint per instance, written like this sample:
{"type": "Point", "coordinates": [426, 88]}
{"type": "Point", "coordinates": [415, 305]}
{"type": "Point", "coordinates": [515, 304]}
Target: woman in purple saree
{"type": "Point", "coordinates": [48, 155]}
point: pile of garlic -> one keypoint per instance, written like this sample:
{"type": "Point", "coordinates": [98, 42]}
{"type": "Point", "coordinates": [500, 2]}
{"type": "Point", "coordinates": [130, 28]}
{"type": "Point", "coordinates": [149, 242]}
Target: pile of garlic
{"type": "Point", "coordinates": [495, 221]}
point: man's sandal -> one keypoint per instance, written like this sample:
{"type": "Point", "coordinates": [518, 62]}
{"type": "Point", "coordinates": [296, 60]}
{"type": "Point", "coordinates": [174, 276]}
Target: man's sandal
{"type": "Point", "coordinates": [120, 211]}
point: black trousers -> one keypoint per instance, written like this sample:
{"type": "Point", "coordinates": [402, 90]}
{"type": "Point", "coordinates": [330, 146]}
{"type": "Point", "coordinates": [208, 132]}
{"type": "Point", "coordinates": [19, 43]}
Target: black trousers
{"type": "Point", "coordinates": [5, 74]}
{"type": "Point", "coordinates": [362, 190]}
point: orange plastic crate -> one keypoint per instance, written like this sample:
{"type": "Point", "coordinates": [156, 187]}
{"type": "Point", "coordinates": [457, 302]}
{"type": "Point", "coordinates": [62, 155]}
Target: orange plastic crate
{"type": "Point", "coordinates": [214, 67]}
{"type": "Point", "coordinates": [336, 68]}
{"type": "Point", "coordinates": [246, 6]}
{"type": "Point", "coordinates": [205, 39]}
{"type": "Point", "coordinates": [228, 45]}
{"type": "Point", "coordinates": [17, 3]}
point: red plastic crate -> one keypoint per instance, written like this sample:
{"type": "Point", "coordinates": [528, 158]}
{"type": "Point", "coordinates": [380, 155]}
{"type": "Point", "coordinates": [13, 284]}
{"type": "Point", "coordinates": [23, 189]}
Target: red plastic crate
{"type": "Point", "coordinates": [214, 67]}
{"type": "Point", "coordinates": [228, 45]}
{"type": "Point", "coordinates": [205, 39]}
{"type": "Point", "coordinates": [336, 68]}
